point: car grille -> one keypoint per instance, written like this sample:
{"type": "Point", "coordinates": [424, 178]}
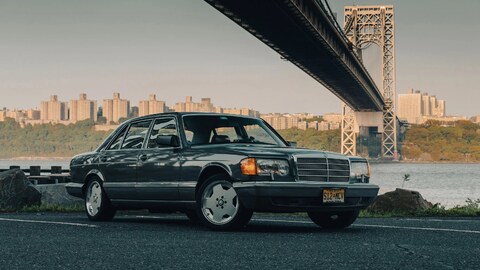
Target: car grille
{"type": "Point", "coordinates": [323, 169]}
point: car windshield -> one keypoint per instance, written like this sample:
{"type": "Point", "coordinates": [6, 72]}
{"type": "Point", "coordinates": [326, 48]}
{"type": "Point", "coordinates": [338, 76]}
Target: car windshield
{"type": "Point", "coordinates": [226, 129]}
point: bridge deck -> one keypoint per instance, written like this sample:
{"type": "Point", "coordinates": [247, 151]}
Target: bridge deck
{"type": "Point", "coordinates": [302, 33]}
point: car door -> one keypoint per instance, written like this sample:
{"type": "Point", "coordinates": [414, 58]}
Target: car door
{"type": "Point", "coordinates": [158, 170]}
{"type": "Point", "coordinates": [118, 162]}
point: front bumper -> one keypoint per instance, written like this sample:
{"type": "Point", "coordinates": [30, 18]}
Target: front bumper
{"type": "Point", "coordinates": [302, 196]}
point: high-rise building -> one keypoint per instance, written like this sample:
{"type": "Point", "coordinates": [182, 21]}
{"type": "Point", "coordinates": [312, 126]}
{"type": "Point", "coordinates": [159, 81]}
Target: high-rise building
{"type": "Point", "coordinates": [242, 111]}
{"type": "Point", "coordinates": [206, 105]}
{"type": "Point", "coordinates": [426, 105]}
{"type": "Point", "coordinates": [83, 109]}
{"type": "Point", "coordinates": [3, 114]}
{"type": "Point", "coordinates": [281, 121]}
{"type": "Point", "coordinates": [333, 117]}
{"type": "Point", "coordinates": [33, 114]}
{"type": "Point", "coordinates": [410, 106]}
{"type": "Point", "coordinates": [151, 106]}
{"type": "Point", "coordinates": [54, 110]}
{"type": "Point", "coordinates": [440, 109]}
{"type": "Point", "coordinates": [414, 107]}
{"type": "Point", "coordinates": [187, 106]}
{"type": "Point", "coordinates": [116, 108]}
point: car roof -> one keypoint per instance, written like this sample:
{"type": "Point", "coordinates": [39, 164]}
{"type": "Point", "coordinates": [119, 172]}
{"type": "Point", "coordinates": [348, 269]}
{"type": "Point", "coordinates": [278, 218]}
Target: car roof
{"type": "Point", "coordinates": [180, 114]}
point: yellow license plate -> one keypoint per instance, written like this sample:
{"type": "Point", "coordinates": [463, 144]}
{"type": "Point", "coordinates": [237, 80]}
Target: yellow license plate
{"type": "Point", "coordinates": [334, 195]}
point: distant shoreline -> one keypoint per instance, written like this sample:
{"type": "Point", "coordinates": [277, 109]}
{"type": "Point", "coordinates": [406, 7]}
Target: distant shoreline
{"type": "Point", "coordinates": [372, 161]}
{"type": "Point", "coordinates": [423, 162]}
{"type": "Point", "coordinates": [35, 158]}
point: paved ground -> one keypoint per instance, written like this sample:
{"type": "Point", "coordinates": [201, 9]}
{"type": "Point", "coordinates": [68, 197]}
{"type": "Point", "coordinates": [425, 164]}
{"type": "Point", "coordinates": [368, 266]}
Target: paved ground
{"type": "Point", "coordinates": [53, 240]}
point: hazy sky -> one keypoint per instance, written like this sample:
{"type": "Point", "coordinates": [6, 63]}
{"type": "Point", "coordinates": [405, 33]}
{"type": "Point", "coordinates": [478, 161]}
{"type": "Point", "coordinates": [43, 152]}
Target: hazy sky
{"type": "Point", "coordinates": [176, 48]}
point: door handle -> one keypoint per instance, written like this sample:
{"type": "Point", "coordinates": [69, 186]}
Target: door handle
{"type": "Point", "coordinates": [143, 157]}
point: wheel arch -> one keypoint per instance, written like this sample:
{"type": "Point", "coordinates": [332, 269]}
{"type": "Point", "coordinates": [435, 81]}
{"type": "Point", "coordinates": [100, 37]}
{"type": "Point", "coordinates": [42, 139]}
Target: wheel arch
{"type": "Point", "coordinates": [89, 176]}
{"type": "Point", "coordinates": [212, 169]}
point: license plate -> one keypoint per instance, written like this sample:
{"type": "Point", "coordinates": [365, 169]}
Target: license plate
{"type": "Point", "coordinates": [334, 195]}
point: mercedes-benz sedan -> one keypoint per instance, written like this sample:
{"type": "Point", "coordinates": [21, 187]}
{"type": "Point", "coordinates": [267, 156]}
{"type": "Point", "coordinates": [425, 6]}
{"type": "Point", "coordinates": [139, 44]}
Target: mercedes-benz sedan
{"type": "Point", "coordinates": [217, 169]}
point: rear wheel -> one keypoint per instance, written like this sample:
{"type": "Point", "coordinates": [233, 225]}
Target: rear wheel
{"type": "Point", "coordinates": [218, 205]}
{"type": "Point", "coordinates": [333, 220]}
{"type": "Point", "coordinates": [97, 204]}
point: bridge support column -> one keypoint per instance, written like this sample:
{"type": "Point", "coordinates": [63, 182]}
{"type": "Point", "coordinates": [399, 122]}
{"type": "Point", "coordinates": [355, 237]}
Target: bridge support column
{"type": "Point", "coordinates": [365, 25]}
{"type": "Point", "coordinates": [365, 128]}
{"type": "Point", "coordinates": [349, 137]}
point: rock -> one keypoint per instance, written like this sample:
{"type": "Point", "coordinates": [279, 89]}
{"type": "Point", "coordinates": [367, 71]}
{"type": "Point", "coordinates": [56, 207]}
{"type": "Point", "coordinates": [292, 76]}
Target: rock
{"type": "Point", "coordinates": [400, 200]}
{"type": "Point", "coordinates": [57, 195]}
{"type": "Point", "coordinates": [16, 191]}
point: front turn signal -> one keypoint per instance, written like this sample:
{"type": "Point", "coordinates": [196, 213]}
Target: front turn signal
{"type": "Point", "coordinates": [248, 166]}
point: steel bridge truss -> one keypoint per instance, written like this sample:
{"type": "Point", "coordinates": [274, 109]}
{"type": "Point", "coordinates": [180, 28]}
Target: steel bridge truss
{"type": "Point", "coordinates": [363, 26]}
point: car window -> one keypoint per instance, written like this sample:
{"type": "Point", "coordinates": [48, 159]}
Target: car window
{"type": "Point", "coordinates": [223, 135]}
{"type": "Point", "coordinates": [259, 134]}
{"type": "Point", "coordinates": [162, 127]}
{"type": "Point", "coordinates": [117, 141]}
{"type": "Point", "coordinates": [136, 135]}
{"type": "Point", "coordinates": [226, 129]}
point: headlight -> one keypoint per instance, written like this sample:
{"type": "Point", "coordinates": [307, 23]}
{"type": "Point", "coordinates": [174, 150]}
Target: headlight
{"type": "Point", "coordinates": [272, 166]}
{"type": "Point", "coordinates": [264, 167]}
{"type": "Point", "coordinates": [359, 170]}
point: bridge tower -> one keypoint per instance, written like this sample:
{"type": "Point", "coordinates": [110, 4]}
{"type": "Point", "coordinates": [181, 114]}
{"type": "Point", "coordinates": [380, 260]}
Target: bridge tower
{"type": "Point", "coordinates": [363, 26]}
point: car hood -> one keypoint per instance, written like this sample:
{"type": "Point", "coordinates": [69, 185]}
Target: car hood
{"type": "Point", "coordinates": [256, 150]}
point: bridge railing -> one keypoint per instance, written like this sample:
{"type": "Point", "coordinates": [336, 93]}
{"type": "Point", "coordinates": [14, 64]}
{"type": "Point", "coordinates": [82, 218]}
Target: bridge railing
{"type": "Point", "coordinates": [38, 175]}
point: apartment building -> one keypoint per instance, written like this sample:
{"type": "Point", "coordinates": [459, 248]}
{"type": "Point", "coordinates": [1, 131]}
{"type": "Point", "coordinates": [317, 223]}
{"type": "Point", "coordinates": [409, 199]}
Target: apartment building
{"type": "Point", "coordinates": [54, 110]}
{"type": "Point", "coordinates": [83, 109]}
{"type": "Point", "coordinates": [151, 106]}
{"type": "Point", "coordinates": [115, 109]}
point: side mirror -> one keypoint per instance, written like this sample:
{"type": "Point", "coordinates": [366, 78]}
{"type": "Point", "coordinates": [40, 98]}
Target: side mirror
{"type": "Point", "coordinates": [292, 144]}
{"type": "Point", "coordinates": [167, 140]}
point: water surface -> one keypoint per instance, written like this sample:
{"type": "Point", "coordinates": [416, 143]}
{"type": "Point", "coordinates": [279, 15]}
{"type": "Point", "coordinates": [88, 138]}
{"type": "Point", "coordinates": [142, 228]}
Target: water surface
{"type": "Point", "coordinates": [448, 184]}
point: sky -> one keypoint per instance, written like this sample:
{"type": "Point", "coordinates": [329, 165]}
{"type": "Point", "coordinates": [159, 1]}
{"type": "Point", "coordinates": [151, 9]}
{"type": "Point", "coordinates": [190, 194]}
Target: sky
{"type": "Point", "coordinates": [187, 48]}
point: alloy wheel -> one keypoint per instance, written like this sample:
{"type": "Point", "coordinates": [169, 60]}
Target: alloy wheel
{"type": "Point", "coordinates": [94, 198]}
{"type": "Point", "coordinates": [220, 202]}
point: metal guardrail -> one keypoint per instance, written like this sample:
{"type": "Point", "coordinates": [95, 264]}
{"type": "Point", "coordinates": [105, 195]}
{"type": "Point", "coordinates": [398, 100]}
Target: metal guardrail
{"type": "Point", "coordinates": [37, 175]}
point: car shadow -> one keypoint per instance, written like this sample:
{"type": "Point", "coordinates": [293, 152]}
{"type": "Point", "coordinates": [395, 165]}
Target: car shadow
{"type": "Point", "coordinates": [254, 226]}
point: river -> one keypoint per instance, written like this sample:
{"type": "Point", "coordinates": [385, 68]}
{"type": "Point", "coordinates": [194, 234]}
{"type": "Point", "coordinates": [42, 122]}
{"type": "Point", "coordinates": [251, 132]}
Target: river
{"type": "Point", "coordinates": [447, 184]}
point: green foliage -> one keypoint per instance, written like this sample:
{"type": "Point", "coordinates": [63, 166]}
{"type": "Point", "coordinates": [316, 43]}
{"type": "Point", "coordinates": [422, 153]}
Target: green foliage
{"type": "Point", "coordinates": [434, 142]}
{"type": "Point", "coordinates": [406, 178]}
{"type": "Point", "coordinates": [101, 120]}
{"type": "Point", "coordinates": [324, 140]}
{"type": "Point", "coordinates": [48, 140]}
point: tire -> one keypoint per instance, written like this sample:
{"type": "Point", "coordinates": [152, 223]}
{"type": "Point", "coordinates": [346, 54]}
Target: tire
{"type": "Point", "coordinates": [97, 204]}
{"type": "Point", "coordinates": [218, 205]}
{"type": "Point", "coordinates": [333, 220]}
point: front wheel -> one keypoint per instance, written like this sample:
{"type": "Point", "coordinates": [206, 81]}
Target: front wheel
{"type": "Point", "coordinates": [218, 205]}
{"type": "Point", "coordinates": [97, 204]}
{"type": "Point", "coordinates": [331, 220]}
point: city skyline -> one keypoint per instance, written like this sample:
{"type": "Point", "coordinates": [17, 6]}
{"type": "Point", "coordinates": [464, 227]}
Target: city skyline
{"type": "Point", "coordinates": [115, 110]}
{"type": "Point", "coordinates": [186, 47]}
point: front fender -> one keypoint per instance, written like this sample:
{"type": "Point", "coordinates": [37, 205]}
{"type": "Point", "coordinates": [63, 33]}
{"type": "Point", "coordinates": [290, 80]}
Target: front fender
{"type": "Point", "coordinates": [215, 165]}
